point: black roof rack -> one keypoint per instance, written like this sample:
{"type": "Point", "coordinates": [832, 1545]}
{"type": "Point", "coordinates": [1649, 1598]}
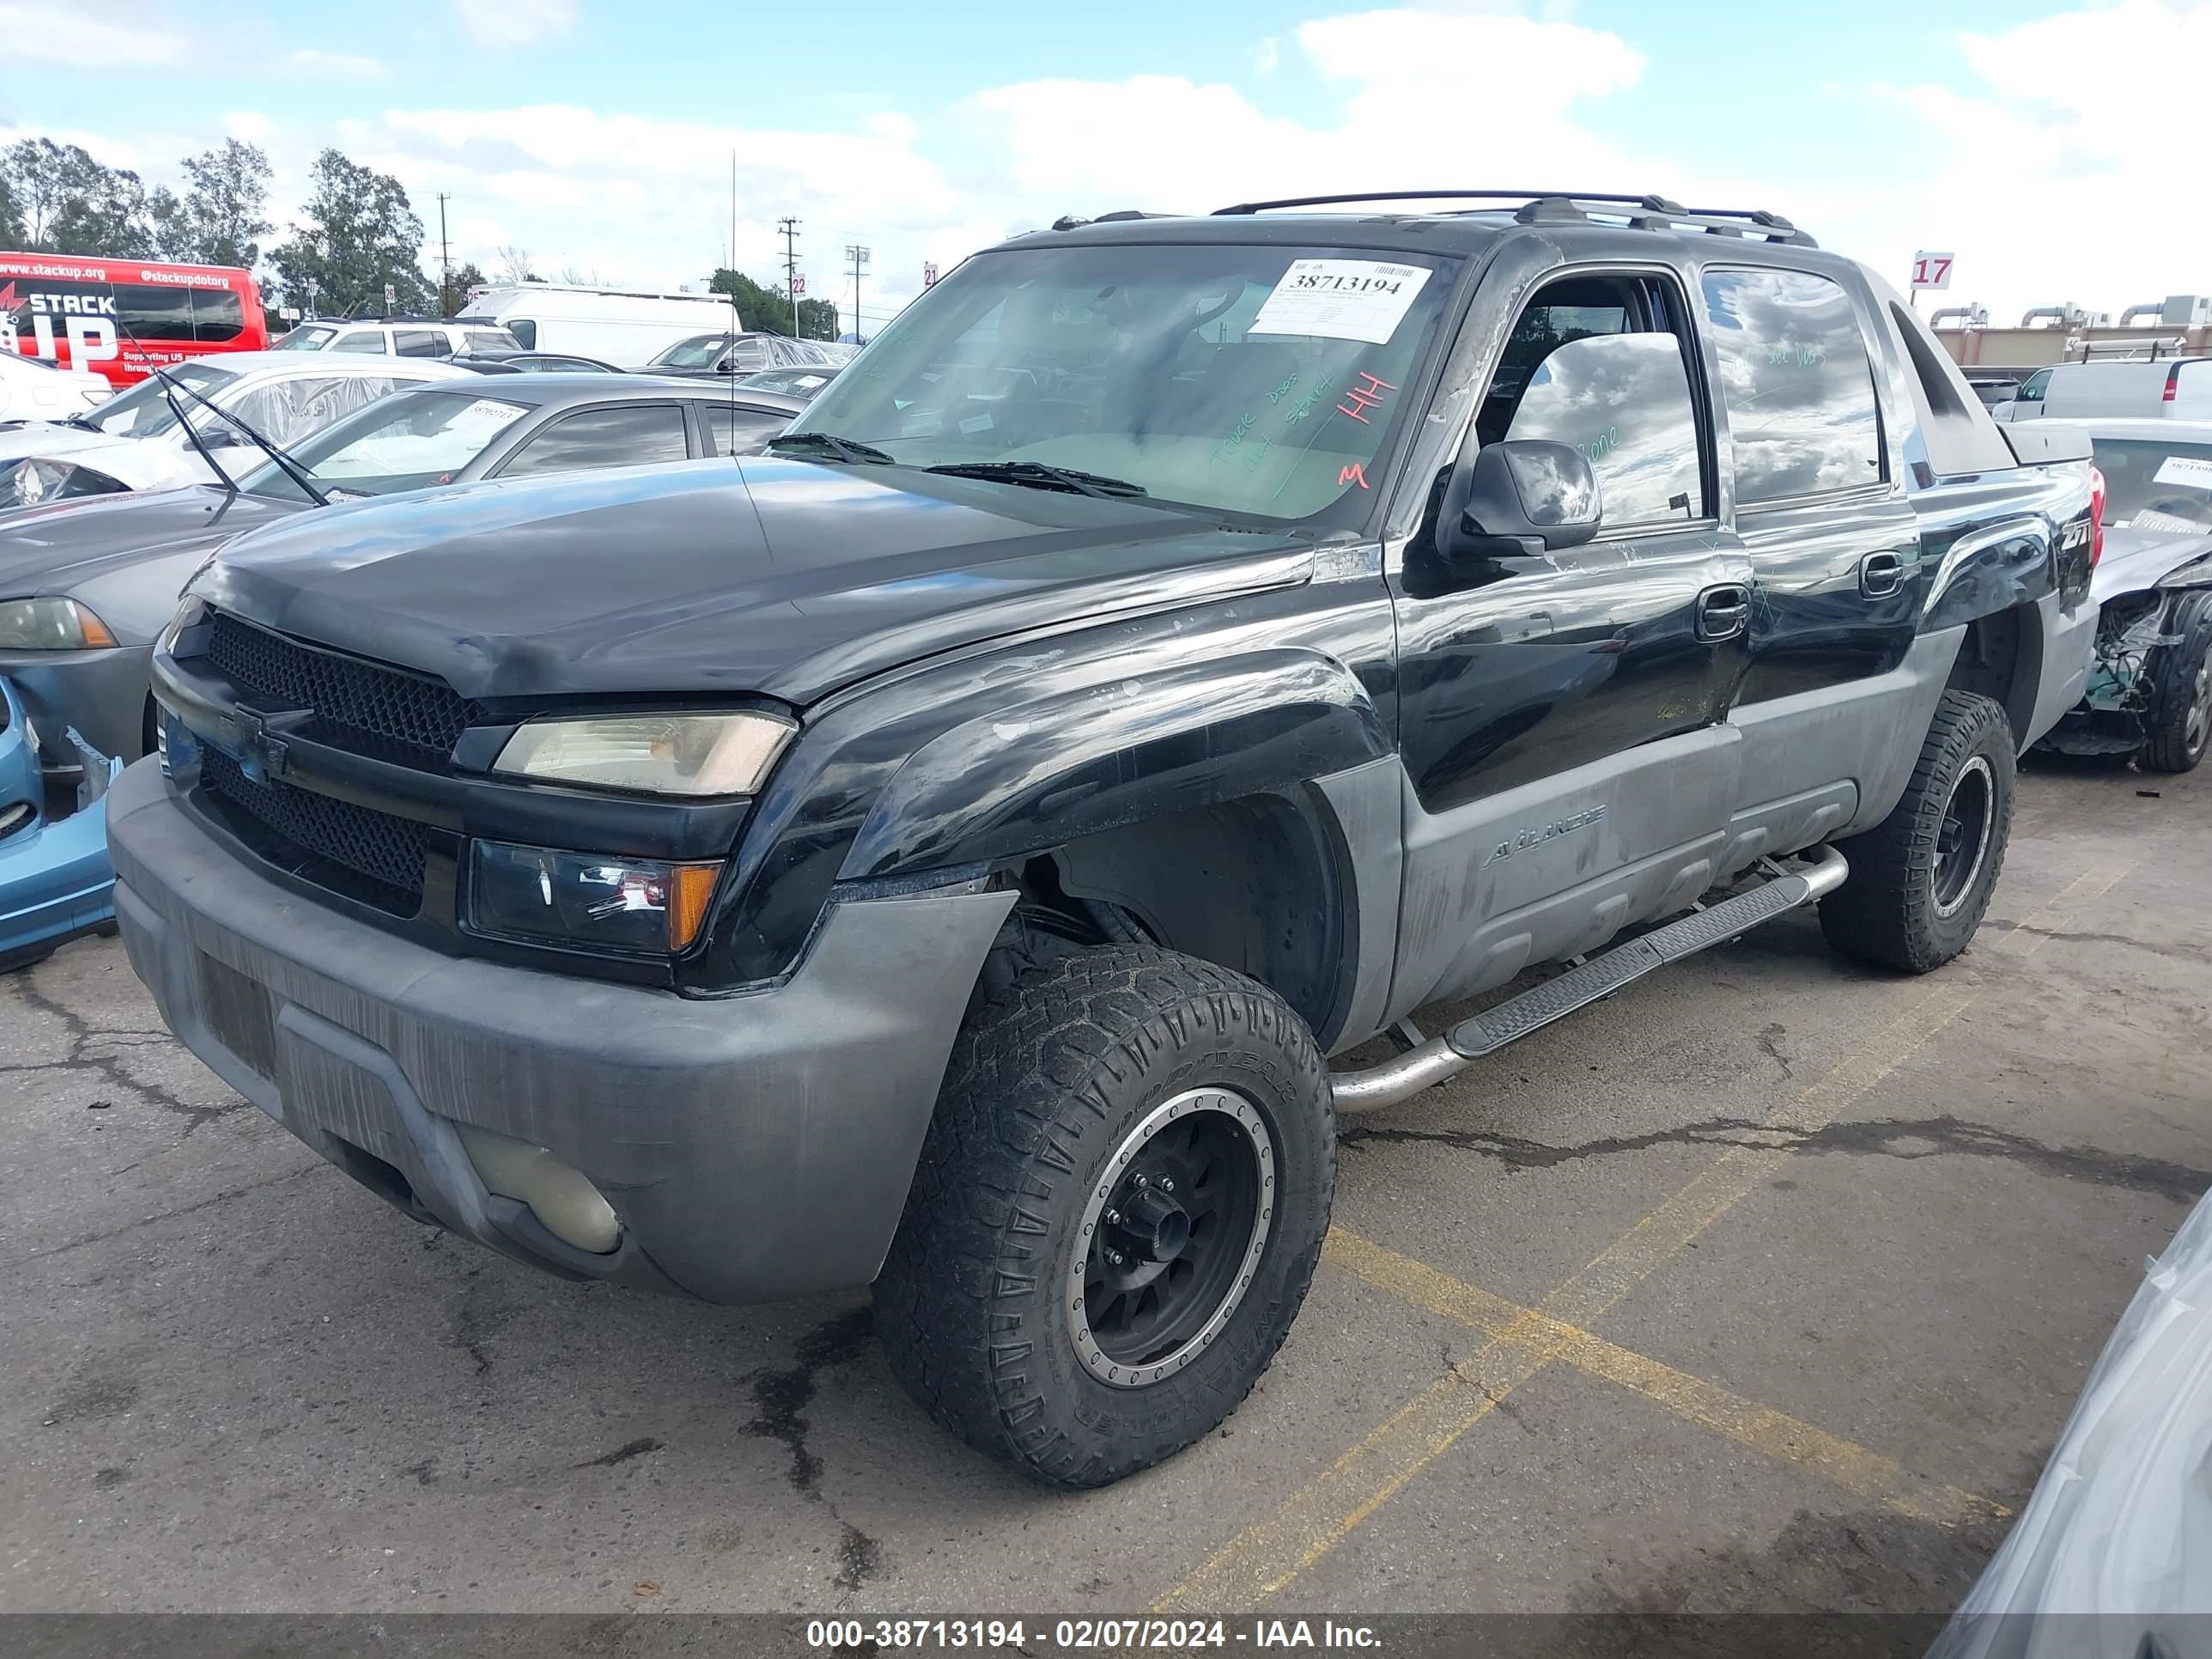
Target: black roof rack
{"type": "Point", "coordinates": [1570, 207]}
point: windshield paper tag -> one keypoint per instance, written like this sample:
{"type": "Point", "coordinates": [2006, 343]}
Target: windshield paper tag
{"type": "Point", "coordinates": [1340, 299]}
{"type": "Point", "coordinates": [2184, 470]}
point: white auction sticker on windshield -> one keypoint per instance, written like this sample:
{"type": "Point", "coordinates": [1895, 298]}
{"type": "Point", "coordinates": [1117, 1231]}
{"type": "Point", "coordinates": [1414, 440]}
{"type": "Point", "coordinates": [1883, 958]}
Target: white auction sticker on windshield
{"type": "Point", "coordinates": [1341, 299]}
{"type": "Point", "coordinates": [2184, 470]}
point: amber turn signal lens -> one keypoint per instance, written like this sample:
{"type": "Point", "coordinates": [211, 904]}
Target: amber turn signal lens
{"type": "Point", "coordinates": [686, 902]}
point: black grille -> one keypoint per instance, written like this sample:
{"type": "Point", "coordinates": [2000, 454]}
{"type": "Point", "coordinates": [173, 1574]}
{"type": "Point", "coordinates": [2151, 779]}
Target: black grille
{"type": "Point", "coordinates": [386, 850]}
{"type": "Point", "coordinates": [350, 698]}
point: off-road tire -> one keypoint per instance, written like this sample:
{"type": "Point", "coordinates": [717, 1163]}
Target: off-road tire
{"type": "Point", "coordinates": [1888, 912]}
{"type": "Point", "coordinates": [2180, 719]}
{"type": "Point", "coordinates": [1049, 1076]}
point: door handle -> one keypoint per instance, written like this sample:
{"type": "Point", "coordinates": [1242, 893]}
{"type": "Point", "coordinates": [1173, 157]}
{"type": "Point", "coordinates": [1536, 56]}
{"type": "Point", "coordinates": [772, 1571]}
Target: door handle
{"type": "Point", "coordinates": [1723, 612]}
{"type": "Point", "coordinates": [1880, 575]}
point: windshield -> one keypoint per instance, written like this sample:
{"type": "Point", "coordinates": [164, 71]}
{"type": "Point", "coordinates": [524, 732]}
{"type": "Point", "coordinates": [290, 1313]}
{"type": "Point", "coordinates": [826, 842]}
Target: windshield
{"type": "Point", "coordinates": [699, 353]}
{"type": "Point", "coordinates": [1255, 379]}
{"type": "Point", "coordinates": [2151, 485]}
{"type": "Point", "coordinates": [143, 411]}
{"type": "Point", "coordinates": [407, 442]}
{"type": "Point", "coordinates": [307, 338]}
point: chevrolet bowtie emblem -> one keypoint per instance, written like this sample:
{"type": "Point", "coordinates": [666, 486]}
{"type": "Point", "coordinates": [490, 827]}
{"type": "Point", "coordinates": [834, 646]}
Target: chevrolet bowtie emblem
{"type": "Point", "coordinates": [261, 753]}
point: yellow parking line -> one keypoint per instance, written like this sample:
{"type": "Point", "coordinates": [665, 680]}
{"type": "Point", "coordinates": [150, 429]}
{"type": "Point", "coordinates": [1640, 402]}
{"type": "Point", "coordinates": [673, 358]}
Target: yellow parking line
{"type": "Point", "coordinates": [1760, 1428]}
{"type": "Point", "coordinates": [1268, 1555]}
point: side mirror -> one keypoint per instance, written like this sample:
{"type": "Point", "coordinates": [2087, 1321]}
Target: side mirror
{"type": "Point", "coordinates": [1524, 496]}
{"type": "Point", "coordinates": [221, 437]}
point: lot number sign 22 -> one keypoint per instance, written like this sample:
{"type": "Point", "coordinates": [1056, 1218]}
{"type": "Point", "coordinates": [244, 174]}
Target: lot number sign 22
{"type": "Point", "coordinates": [1931, 271]}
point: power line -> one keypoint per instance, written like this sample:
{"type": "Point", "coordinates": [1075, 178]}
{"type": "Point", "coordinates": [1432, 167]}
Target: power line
{"type": "Point", "coordinates": [790, 230]}
{"type": "Point", "coordinates": [445, 263]}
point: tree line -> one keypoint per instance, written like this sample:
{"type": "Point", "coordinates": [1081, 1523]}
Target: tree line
{"type": "Point", "coordinates": [355, 235]}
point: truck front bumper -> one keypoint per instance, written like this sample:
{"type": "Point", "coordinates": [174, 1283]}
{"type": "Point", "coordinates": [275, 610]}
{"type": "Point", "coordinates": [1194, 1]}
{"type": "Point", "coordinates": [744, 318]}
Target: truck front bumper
{"type": "Point", "coordinates": [752, 1148]}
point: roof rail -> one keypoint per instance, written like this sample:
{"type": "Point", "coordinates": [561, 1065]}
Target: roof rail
{"type": "Point", "coordinates": [1651, 212]}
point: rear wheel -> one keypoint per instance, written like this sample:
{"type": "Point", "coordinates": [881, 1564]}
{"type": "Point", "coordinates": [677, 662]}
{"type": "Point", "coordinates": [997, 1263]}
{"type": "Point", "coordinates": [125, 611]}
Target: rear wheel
{"type": "Point", "coordinates": [2180, 719]}
{"type": "Point", "coordinates": [1118, 1210]}
{"type": "Point", "coordinates": [1920, 879]}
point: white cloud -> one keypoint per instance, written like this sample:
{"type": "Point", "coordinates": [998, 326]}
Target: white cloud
{"type": "Point", "coordinates": [249, 125]}
{"type": "Point", "coordinates": [340, 65]}
{"type": "Point", "coordinates": [2042, 171]}
{"type": "Point", "coordinates": [504, 23]}
{"type": "Point", "coordinates": [2064, 178]}
{"type": "Point", "coordinates": [109, 34]}
{"type": "Point", "coordinates": [1404, 84]}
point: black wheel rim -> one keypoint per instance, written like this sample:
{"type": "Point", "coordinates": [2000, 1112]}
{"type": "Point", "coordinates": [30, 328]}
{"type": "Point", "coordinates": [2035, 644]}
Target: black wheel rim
{"type": "Point", "coordinates": [1962, 841]}
{"type": "Point", "coordinates": [1173, 1227]}
{"type": "Point", "coordinates": [2199, 720]}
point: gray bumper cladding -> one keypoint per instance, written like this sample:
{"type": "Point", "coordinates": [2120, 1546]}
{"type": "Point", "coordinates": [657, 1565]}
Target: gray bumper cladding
{"type": "Point", "coordinates": [754, 1147]}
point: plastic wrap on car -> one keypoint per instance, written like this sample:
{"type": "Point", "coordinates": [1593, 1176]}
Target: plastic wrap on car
{"type": "Point", "coordinates": [2111, 1558]}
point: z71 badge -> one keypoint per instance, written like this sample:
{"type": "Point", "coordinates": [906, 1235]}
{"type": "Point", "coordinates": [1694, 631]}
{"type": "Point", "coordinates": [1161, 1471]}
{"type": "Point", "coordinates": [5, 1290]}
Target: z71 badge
{"type": "Point", "coordinates": [1551, 831]}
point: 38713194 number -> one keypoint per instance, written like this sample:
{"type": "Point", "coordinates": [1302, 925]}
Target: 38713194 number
{"type": "Point", "coordinates": [1342, 282]}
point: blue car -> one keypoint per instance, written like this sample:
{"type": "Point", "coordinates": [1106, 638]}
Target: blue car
{"type": "Point", "coordinates": [55, 879]}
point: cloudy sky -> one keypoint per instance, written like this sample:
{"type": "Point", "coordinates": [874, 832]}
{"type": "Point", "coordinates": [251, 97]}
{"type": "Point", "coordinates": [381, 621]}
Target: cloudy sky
{"type": "Point", "coordinates": [597, 134]}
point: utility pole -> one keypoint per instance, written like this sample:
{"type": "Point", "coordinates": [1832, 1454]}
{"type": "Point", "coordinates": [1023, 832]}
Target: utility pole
{"type": "Point", "coordinates": [859, 256]}
{"type": "Point", "coordinates": [790, 230]}
{"type": "Point", "coordinates": [445, 263]}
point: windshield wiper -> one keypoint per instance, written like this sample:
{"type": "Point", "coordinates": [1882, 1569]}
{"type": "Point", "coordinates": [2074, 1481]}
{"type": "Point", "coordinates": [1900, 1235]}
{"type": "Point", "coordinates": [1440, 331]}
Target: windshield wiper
{"type": "Point", "coordinates": [290, 468]}
{"type": "Point", "coordinates": [844, 449]}
{"type": "Point", "coordinates": [81, 423]}
{"type": "Point", "coordinates": [1037, 474]}
{"type": "Point", "coordinates": [169, 389]}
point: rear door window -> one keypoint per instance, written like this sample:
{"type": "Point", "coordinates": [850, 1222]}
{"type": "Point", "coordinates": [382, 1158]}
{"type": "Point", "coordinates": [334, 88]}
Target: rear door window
{"type": "Point", "coordinates": [366, 341]}
{"type": "Point", "coordinates": [1796, 383]}
{"type": "Point", "coordinates": [422, 342]}
{"type": "Point", "coordinates": [218, 315]}
{"type": "Point", "coordinates": [739, 431]}
{"type": "Point", "coordinates": [630, 434]}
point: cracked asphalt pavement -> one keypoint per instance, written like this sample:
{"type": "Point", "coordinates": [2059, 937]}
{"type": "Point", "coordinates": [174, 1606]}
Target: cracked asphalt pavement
{"type": "Point", "coordinates": [239, 1381]}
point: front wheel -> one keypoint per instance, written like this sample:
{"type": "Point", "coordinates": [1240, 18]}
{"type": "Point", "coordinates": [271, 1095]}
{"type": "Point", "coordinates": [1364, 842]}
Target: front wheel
{"type": "Point", "coordinates": [1920, 879]}
{"type": "Point", "coordinates": [2181, 691]}
{"type": "Point", "coordinates": [1118, 1210]}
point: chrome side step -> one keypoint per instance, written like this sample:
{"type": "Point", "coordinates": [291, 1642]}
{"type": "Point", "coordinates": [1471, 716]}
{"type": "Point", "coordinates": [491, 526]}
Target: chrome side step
{"type": "Point", "coordinates": [1433, 1061]}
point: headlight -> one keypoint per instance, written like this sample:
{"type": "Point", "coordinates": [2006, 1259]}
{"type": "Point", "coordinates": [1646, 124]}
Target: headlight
{"type": "Point", "coordinates": [49, 625]}
{"type": "Point", "coordinates": [188, 615]}
{"type": "Point", "coordinates": [587, 898]}
{"type": "Point", "coordinates": [653, 753]}
{"type": "Point", "coordinates": [36, 481]}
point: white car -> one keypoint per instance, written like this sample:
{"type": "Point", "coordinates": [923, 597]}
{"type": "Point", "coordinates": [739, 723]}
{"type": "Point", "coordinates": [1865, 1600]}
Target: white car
{"type": "Point", "coordinates": [2167, 388]}
{"type": "Point", "coordinates": [398, 337]}
{"type": "Point", "coordinates": [33, 389]}
{"type": "Point", "coordinates": [2112, 1558]}
{"type": "Point", "coordinates": [133, 441]}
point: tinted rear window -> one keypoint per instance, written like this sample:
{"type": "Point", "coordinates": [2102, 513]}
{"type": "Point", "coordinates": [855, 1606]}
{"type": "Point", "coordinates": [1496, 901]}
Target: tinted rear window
{"type": "Point", "coordinates": [1797, 384]}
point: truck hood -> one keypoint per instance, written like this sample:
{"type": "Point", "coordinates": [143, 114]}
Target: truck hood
{"type": "Point", "coordinates": [2135, 559]}
{"type": "Point", "coordinates": [767, 576]}
{"type": "Point", "coordinates": [57, 548]}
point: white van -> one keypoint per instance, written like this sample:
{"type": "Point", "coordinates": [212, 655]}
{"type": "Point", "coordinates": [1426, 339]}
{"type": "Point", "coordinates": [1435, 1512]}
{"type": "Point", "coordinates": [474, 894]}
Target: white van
{"type": "Point", "coordinates": [2173, 386]}
{"type": "Point", "coordinates": [627, 327]}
